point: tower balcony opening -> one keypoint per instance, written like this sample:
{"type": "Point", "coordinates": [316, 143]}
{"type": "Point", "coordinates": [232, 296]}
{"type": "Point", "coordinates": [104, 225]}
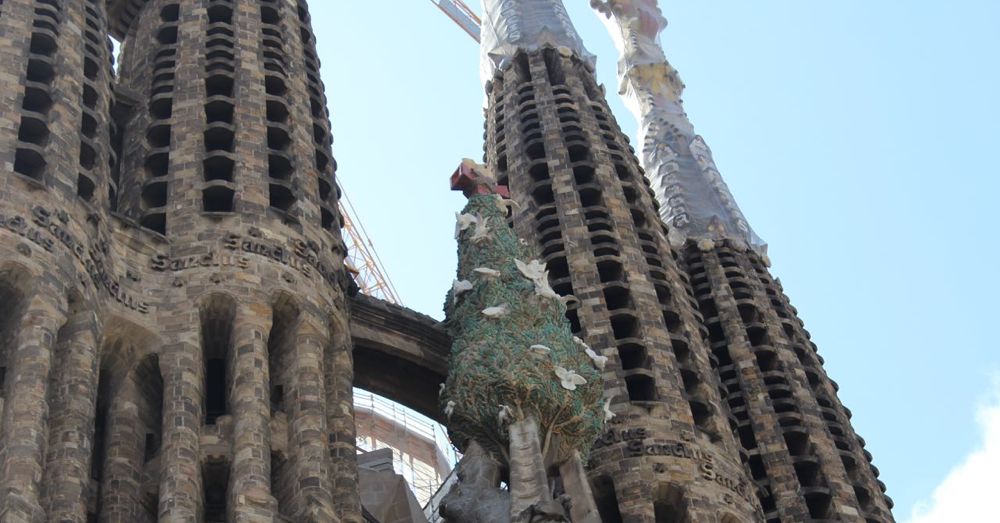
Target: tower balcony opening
{"type": "Point", "coordinates": [633, 356]}
{"type": "Point", "coordinates": [85, 186]}
{"type": "Point", "coordinates": [279, 165]}
{"type": "Point", "coordinates": [158, 162]}
{"type": "Point", "coordinates": [219, 12]}
{"type": "Point", "coordinates": [617, 297]}
{"type": "Point", "coordinates": [34, 129]}
{"type": "Point", "coordinates": [218, 165]}
{"type": "Point", "coordinates": [37, 97]}
{"type": "Point", "coordinates": [219, 136]}
{"type": "Point", "coordinates": [43, 41]}
{"type": "Point", "coordinates": [170, 13]}
{"type": "Point", "coordinates": [625, 326]}
{"type": "Point", "coordinates": [277, 110]}
{"type": "Point", "coordinates": [275, 86]}
{"type": "Point", "coordinates": [161, 106]}
{"type": "Point", "coordinates": [29, 160]}
{"type": "Point", "coordinates": [215, 486]}
{"type": "Point", "coordinates": [88, 123]}
{"type": "Point", "coordinates": [641, 388]}
{"type": "Point", "coordinates": [155, 220]}
{"type": "Point", "coordinates": [218, 197]}
{"type": "Point", "coordinates": [154, 194]}
{"type": "Point", "coordinates": [281, 197]}
{"type": "Point", "coordinates": [327, 218]}
{"type": "Point", "coordinates": [88, 155]}
{"type": "Point", "coordinates": [167, 35]}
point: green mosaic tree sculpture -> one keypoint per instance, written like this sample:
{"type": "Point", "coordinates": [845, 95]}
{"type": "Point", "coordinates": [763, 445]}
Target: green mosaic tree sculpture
{"type": "Point", "coordinates": [513, 356]}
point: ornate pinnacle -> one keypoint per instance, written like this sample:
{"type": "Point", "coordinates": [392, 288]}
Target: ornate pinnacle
{"type": "Point", "coordinates": [695, 201]}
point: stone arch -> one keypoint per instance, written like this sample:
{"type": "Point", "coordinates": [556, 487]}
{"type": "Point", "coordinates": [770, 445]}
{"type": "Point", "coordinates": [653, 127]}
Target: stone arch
{"type": "Point", "coordinates": [285, 312]}
{"type": "Point", "coordinates": [15, 290]}
{"type": "Point", "coordinates": [149, 381]}
{"type": "Point", "coordinates": [217, 315]}
{"type": "Point", "coordinates": [70, 398]}
{"type": "Point", "coordinates": [128, 410]}
{"type": "Point", "coordinates": [399, 354]}
{"type": "Point", "coordinates": [77, 311]}
{"type": "Point", "coordinates": [606, 499]}
{"type": "Point", "coordinates": [670, 504]}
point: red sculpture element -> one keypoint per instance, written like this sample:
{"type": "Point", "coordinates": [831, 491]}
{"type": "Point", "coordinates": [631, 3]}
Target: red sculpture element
{"type": "Point", "coordinates": [472, 179]}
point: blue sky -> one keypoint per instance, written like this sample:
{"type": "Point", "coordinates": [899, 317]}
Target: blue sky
{"type": "Point", "coordinates": [858, 137]}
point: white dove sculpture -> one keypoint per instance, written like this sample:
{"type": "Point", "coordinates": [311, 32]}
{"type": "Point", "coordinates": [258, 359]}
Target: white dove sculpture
{"type": "Point", "coordinates": [458, 288]}
{"type": "Point", "coordinates": [569, 379]}
{"type": "Point", "coordinates": [506, 203]}
{"type": "Point", "coordinates": [498, 311]}
{"type": "Point", "coordinates": [463, 222]}
{"type": "Point", "coordinates": [540, 350]}
{"type": "Point", "coordinates": [535, 271]}
{"type": "Point", "coordinates": [599, 360]}
{"type": "Point", "coordinates": [487, 272]}
{"type": "Point", "coordinates": [482, 231]}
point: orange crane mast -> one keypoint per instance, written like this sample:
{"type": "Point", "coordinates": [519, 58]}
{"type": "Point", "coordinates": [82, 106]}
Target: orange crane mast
{"type": "Point", "coordinates": [362, 260]}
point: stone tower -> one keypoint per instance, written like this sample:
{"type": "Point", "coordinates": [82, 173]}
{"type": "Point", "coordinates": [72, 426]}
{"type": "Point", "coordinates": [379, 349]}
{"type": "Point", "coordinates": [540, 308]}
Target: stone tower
{"type": "Point", "coordinates": [670, 453]}
{"type": "Point", "coordinates": [795, 436]}
{"type": "Point", "coordinates": [173, 332]}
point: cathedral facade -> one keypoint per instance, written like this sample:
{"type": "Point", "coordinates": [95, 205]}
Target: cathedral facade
{"type": "Point", "coordinates": [178, 335]}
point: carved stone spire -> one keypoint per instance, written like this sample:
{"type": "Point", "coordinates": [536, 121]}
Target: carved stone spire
{"type": "Point", "coordinates": [510, 26]}
{"type": "Point", "coordinates": [695, 201]}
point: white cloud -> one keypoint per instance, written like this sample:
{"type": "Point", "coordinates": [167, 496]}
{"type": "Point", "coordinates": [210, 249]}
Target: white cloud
{"type": "Point", "coordinates": [969, 492]}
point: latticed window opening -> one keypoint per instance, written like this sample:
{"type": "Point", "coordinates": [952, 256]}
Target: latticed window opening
{"type": "Point", "coordinates": [33, 133]}
{"type": "Point", "coordinates": [219, 163]}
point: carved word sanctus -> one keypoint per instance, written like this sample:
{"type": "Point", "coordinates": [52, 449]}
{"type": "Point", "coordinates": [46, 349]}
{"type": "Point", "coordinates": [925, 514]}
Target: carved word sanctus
{"type": "Point", "coordinates": [50, 233]}
{"type": "Point", "coordinates": [636, 446]}
{"type": "Point", "coordinates": [162, 262]}
{"type": "Point", "coordinates": [299, 256]}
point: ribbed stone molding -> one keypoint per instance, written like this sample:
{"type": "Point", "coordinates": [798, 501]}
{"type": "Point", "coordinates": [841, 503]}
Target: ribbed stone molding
{"type": "Point", "coordinates": [510, 26]}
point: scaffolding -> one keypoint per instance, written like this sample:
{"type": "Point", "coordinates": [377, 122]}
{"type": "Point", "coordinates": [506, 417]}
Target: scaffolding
{"type": "Point", "coordinates": [424, 474]}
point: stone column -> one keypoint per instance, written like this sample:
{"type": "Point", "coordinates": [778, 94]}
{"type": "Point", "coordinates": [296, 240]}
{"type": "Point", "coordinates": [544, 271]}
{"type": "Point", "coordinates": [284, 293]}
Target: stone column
{"type": "Point", "coordinates": [313, 498]}
{"type": "Point", "coordinates": [180, 469]}
{"type": "Point", "coordinates": [250, 497]}
{"type": "Point", "coordinates": [338, 368]}
{"type": "Point", "coordinates": [121, 484]}
{"type": "Point", "coordinates": [574, 479]}
{"type": "Point", "coordinates": [25, 414]}
{"type": "Point", "coordinates": [529, 486]}
{"type": "Point", "coordinates": [71, 426]}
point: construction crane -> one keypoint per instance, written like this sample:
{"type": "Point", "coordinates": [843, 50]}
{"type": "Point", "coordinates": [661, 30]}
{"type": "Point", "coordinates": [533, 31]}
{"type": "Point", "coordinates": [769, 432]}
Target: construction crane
{"type": "Point", "coordinates": [362, 260]}
{"type": "Point", "coordinates": [462, 15]}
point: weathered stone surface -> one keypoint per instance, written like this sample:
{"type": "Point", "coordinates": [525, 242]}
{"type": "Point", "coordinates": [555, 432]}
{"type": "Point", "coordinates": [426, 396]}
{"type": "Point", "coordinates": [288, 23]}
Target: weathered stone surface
{"type": "Point", "coordinates": [176, 343]}
{"type": "Point", "coordinates": [476, 497]}
{"type": "Point", "coordinates": [552, 139]}
{"type": "Point", "coordinates": [171, 266]}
